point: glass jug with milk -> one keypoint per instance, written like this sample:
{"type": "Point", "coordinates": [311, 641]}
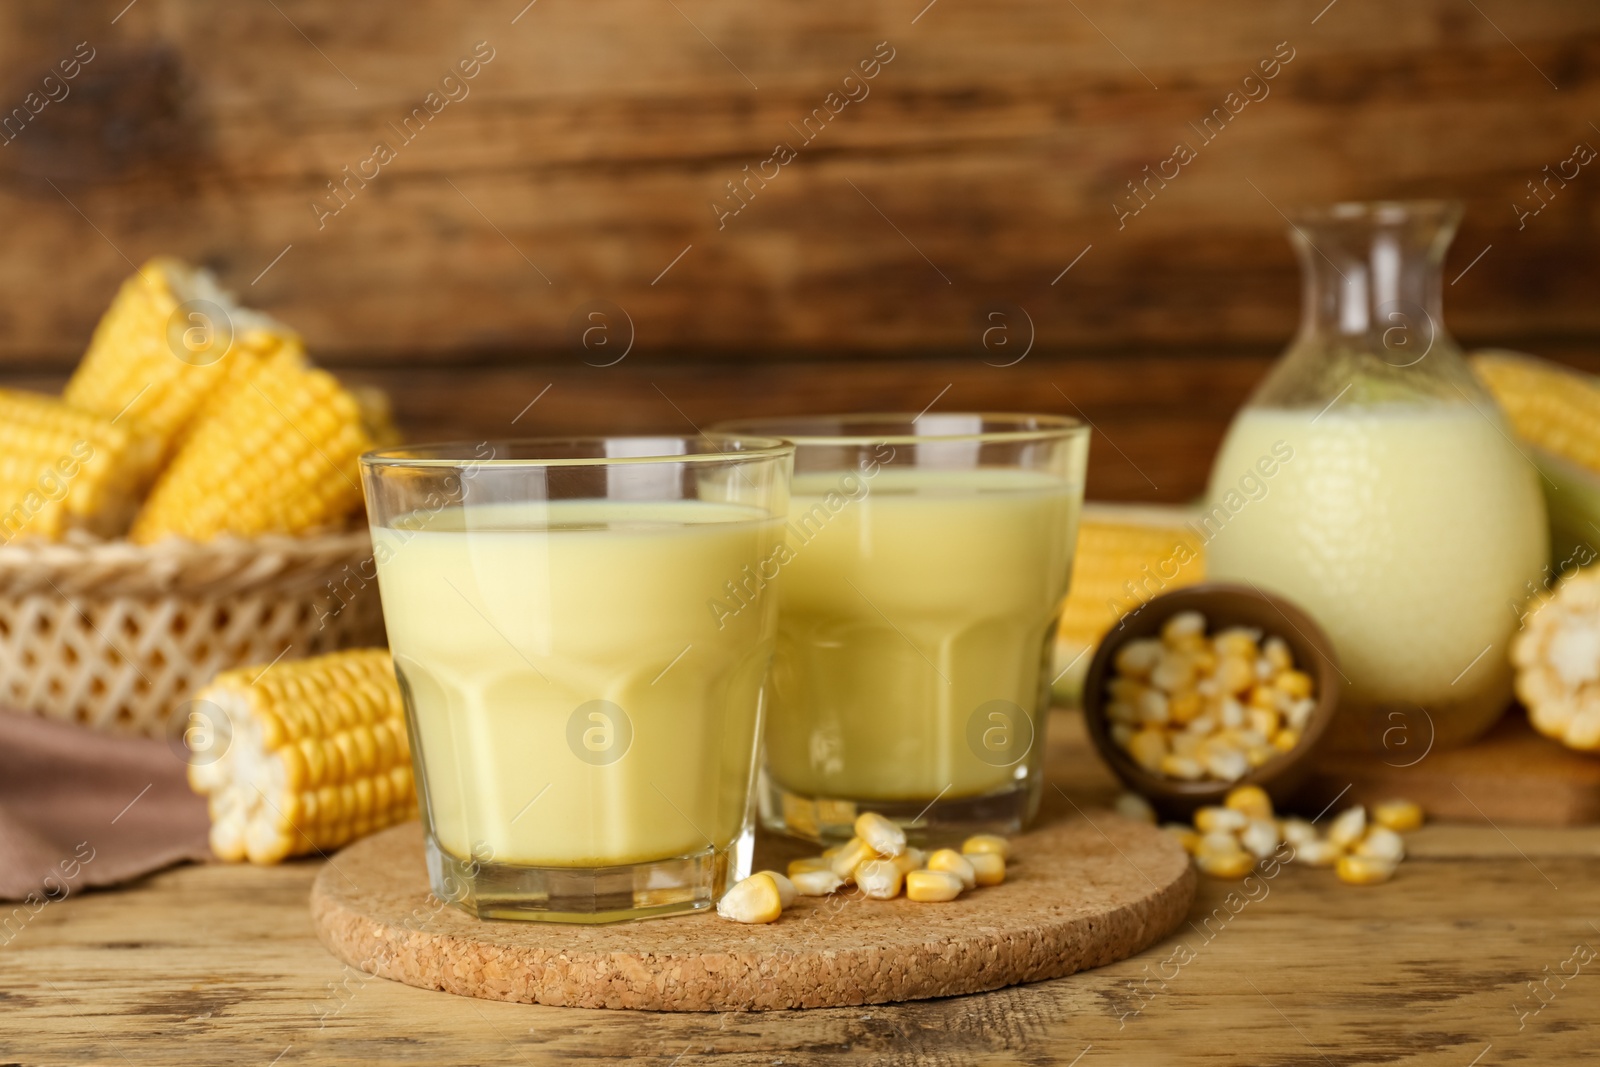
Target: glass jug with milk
{"type": "Point", "coordinates": [1401, 512]}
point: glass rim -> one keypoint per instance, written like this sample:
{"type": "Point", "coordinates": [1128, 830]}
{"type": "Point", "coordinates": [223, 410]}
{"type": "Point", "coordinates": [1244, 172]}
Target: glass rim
{"type": "Point", "coordinates": [453, 454]}
{"type": "Point", "coordinates": [1382, 212]}
{"type": "Point", "coordinates": [1044, 427]}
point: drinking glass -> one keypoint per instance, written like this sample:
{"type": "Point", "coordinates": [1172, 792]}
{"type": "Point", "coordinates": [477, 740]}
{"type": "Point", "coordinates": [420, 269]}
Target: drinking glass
{"type": "Point", "coordinates": [583, 725]}
{"type": "Point", "coordinates": [925, 564]}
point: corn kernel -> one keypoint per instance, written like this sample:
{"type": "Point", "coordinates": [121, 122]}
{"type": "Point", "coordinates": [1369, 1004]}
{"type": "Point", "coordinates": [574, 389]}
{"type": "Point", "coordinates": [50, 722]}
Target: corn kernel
{"type": "Point", "coordinates": [1297, 831]}
{"type": "Point", "coordinates": [1349, 827]}
{"type": "Point", "coordinates": [1217, 841]}
{"type": "Point", "coordinates": [754, 900]}
{"type": "Point", "coordinates": [809, 863]}
{"type": "Point", "coordinates": [1135, 807]}
{"type": "Point", "coordinates": [1185, 707]}
{"type": "Point", "coordinates": [1138, 657]}
{"type": "Point", "coordinates": [1175, 672]}
{"type": "Point", "coordinates": [786, 889]}
{"type": "Point", "coordinates": [912, 859]}
{"type": "Point", "coordinates": [1121, 734]}
{"type": "Point", "coordinates": [851, 856]}
{"type": "Point", "coordinates": [1187, 744]}
{"type": "Point", "coordinates": [1227, 764]}
{"type": "Point", "coordinates": [1276, 652]}
{"type": "Point", "coordinates": [881, 835]}
{"type": "Point", "coordinates": [987, 868]}
{"type": "Point", "coordinates": [1260, 838]}
{"type": "Point", "coordinates": [1251, 800]}
{"type": "Point", "coordinates": [1235, 674]}
{"type": "Point", "coordinates": [1152, 707]}
{"type": "Point", "coordinates": [1316, 852]}
{"type": "Point", "coordinates": [1184, 624]}
{"type": "Point", "coordinates": [815, 883]}
{"type": "Point", "coordinates": [1236, 642]}
{"type": "Point", "coordinates": [932, 886]}
{"type": "Point", "coordinates": [1381, 843]}
{"type": "Point", "coordinates": [1148, 748]}
{"type": "Point", "coordinates": [1285, 740]}
{"type": "Point", "coordinates": [1212, 819]}
{"type": "Point", "coordinates": [1231, 865]}
{"type": "Point", "coordinates": [1364, 870]}
{"type": "Point", "coordinates": [829, 853]}
{"type": "Point", "coordinates": [978, 844]}
{"type": "Point", "coordinates": [1183, 768]}
{"type": "Point", "coordinates": [1264, 721]}
{"type": "Point", "coordinates": [1122, 713]}
{"type": "Point", "coordinates": [1295, 683]}
{"type": "Point", "coordinates": [880, 879]}
{"type": "Point", "coordinates": [1397, 815]}
{"type": "Point", "coordinates": [953, 862]}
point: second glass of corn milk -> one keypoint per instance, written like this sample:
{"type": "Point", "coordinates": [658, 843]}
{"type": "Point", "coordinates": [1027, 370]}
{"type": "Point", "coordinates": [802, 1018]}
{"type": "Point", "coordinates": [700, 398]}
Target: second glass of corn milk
{"type": "Point", "coordinates": [584, 729]}
{"type": "Point", "coordinates": [1373, 481]}
{"type": "Point", "coordinates": [926, 561]}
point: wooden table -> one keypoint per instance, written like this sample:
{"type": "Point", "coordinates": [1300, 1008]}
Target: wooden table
{"type": "Point", "coordinates": [218, 965]}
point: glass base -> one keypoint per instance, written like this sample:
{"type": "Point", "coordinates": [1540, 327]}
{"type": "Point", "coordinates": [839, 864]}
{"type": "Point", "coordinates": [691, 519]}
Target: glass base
{"type": "Point", "coordinates": [594, 895]}
{"type": "Point", "coordinates": [942, 820]}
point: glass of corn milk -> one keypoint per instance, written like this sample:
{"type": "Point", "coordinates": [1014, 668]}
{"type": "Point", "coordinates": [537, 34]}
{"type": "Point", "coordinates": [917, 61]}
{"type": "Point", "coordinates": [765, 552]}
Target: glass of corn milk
{"type": "Point", "coordinates": [584, 727]}
{"type": "Point", "coordinates": [925, 563]}
{"type": "Point", "coordinates": [1371, 480]}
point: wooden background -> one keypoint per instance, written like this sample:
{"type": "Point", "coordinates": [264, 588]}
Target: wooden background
{"type": "Point", "coordinates": [985, 159]}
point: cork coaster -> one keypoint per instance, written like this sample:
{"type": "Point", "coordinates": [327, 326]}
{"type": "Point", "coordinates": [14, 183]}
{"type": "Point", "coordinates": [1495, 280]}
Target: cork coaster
{"type": "Point", "coordinates": [1081, 892]}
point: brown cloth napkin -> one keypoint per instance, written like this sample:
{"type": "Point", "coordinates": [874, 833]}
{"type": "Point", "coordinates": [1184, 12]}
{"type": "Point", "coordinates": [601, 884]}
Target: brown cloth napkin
{"type": "Point", "coordinates": [80, 808]}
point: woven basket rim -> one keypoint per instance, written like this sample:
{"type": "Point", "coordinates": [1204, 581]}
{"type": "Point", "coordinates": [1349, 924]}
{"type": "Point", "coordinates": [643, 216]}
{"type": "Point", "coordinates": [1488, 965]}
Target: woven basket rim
{"type": "Point", "coordinates": [176, 565]}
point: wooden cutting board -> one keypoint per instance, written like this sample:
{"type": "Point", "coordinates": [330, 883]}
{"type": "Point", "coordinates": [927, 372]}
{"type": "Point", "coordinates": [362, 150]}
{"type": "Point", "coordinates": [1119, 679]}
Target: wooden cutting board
{"type": "Point", "coordinates": [1511, 775]}
{"type": "Point", "coordinates": [1084, 890]}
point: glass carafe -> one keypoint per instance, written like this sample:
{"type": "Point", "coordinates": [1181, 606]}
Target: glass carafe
{"type": "Point", "coordinates": [1373, 481]}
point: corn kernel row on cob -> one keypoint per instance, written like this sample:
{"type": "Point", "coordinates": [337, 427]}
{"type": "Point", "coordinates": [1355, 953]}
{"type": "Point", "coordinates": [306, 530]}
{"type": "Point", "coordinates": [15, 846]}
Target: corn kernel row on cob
{"type": "Point", "coordinates": [61, 469]}
{"type": "Point", "coordinates": [169, 341]}
{"type": "Point", "coordinates": [275, 452]}
{"type": "Point", "coordinates": [1557, 660]}
{"type": "Point", "coordinates": [1124, 557]}
{"type": "Point", "coordinates": [1556, 410]}
{"type": "Point", "coordinates": [310, 756]}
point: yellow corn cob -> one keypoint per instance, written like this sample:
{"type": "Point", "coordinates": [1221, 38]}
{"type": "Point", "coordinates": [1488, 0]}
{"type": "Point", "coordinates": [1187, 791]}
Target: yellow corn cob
{"type": "Point", "coordinates": [276, 452]}
{"type": "Point", "coordinates": [170, 339]}
{"type": "Point", "coordinates": [1125, 556]}
{"type": "Point", "coordinates": [301, 757]}
{"type": "Point", "coordinates": [63, 469]}
{"type": "Point", "coordinates": [1556, 410]}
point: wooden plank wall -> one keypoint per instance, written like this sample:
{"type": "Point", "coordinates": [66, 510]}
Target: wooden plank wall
{"type": "Point", "coordinates": [585, 167]}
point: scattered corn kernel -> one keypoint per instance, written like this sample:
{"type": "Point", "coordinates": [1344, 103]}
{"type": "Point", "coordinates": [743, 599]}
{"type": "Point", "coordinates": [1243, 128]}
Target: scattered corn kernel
{"type": "Point", "coordinates": [1400, 816]}
{"type": "Point", "coordinates": [880, 879]}
{"type": "Point", "coordinates": [1185, 835]}
{"type": "Point", "coordinates": [953, 862]}
{"type": "Point", "coordinates": [1364, 870]}
{"type": "Point", "coordinates": [912, 859]}
{"type": "Point", "coordinates": [786, 889]}
{"type": "Point", "coordinates": [883, 836]}
{"type": "Point", "coordinates": [1135, 807]}
{"type": "Point", "coordinates": [809, 863]}
{"type": "Point", "coordinates": [1252, 800]}
{"type": "Point", "coordinates": [1297, 831]}
{"type": "Point", "coordinates": [987, 868]}
{"type": "Point", "coordinates": [829, 853]}
{"type": "Point", "coordinates": [1349, 827]}
{"type": "Point", "coordinates": [816, 882]}
{"type": "Point", "coordinates": [1317, 852]}
{"type": "Point", "coordinates": [1228, 820]}
{"type": "Point", "coordinates": [981, 843]}
{"type": "Point", "coordinates": [1381, 843]}
{"type": "Point", "coordinates": [852, 855]}
{"type": "Point", "coordinates": [932, 886]}
{"type": "Point", "coordinates": [1260, 838]}
{"type": "Point", "coordinates": [1232, 865]}
{"type": "Point", "coordinates": [754, 900]}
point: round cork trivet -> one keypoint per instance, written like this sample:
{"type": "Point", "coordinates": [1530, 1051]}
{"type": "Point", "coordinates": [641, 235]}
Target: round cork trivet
{"type": "Point", "coordinates": [1079, 893]}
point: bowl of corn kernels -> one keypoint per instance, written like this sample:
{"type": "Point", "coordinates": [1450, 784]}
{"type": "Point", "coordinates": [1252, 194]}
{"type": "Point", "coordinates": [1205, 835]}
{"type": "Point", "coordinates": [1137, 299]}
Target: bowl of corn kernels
{"type": "Point", "coordinates": [1207, 688]}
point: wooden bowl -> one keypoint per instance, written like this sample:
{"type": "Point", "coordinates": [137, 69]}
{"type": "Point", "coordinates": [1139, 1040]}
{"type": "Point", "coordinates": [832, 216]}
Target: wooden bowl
{"type": "Point", "coordinates": [1223, 606]}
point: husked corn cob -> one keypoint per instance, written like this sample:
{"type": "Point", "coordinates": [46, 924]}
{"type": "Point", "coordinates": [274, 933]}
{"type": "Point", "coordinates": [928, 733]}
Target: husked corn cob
{"type": "Point", "coordinates": [62, 469]}
{"type": "Point", "coordinates": [304, 757]}
{"type": "Point", "coordinates": [275, 453]}
{"type": "Point", "coordinates": [1556, 410]}
{"type": "Point", "coordinates": [171, 338]}
{"type": "Point", "coordinates": [1557, 660]}
{"type": "Point", "coordinates": [1124, 557]}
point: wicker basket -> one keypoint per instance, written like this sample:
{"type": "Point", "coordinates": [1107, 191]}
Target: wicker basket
{"type": "Point", "coordinates": [117, 635]}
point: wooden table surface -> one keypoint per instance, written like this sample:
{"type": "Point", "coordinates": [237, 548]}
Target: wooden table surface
{"type": "Point", "coordinates": [1457, 961]}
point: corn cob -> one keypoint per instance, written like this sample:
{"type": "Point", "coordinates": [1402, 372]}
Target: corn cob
{"type": "Point", "coordinates": [1124, 557]}
{"type": "Point", "coordinates": [1557, 661]}
{"type": "Point", "coordinates": [1556, 410]}
{"type": "Point", "coordinates": [275, 453]}
{"type": "Point", "coordinates": [171, 338]}
{"type": "Point", "coordinates": [63, 469]}
{"type": "Point", "coordinates": [302, 757]}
